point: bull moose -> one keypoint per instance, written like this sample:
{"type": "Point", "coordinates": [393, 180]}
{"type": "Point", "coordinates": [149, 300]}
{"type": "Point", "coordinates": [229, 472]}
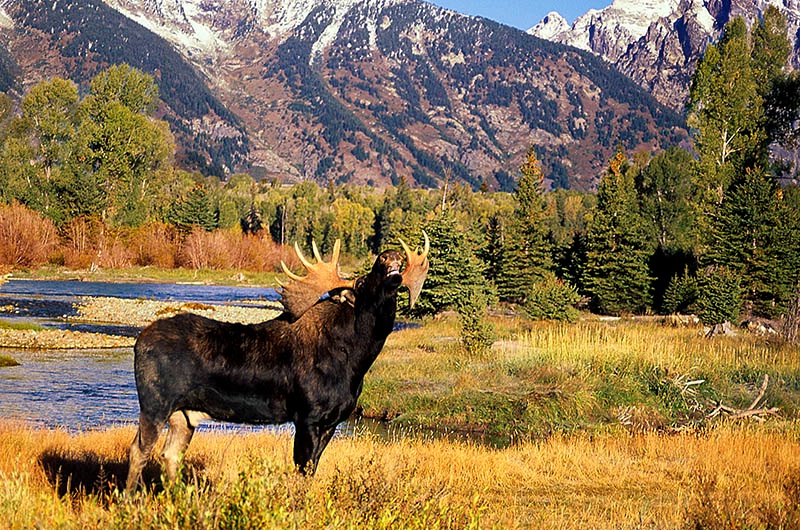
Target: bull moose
{"type": "Point", "coordinates": [305, 366]}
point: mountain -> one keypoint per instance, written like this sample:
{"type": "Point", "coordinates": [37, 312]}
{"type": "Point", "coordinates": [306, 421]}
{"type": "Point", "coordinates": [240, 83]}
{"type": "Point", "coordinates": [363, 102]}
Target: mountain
{"type": "Point", "coordinates": [362, 91]}
{"type": "Point", "coordinates": [658, 43]}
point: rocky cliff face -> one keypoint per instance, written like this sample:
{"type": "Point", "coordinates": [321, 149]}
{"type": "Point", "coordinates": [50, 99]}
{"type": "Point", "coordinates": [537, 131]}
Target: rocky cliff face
{"type": "Point", "coordinates": [360, 91]}
{"type": "Point", "coordinates": [657, 43]}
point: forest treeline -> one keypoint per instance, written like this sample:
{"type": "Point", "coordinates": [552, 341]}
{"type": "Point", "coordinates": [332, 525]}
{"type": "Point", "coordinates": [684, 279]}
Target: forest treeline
{"type": "Point", "coordinates": [89, 180]}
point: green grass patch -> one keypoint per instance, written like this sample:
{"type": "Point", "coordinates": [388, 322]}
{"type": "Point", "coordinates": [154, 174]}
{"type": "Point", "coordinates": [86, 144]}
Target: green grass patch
{"type": "Point", "coordinates": [19, 326]}
{"type": "Point", "coordinates": [6, 361]}
{"type": "Point", "coordinates": [545, 378]}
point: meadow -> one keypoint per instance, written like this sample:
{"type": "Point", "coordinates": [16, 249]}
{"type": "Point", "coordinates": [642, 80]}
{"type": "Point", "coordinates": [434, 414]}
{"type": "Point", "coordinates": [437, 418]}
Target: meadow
{"type": "Point", "coordinates": [592, 425]}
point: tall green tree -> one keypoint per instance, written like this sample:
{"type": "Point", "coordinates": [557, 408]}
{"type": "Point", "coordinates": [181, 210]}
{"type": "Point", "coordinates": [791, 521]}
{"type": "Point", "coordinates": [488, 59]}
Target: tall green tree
{"type": "Point", "coordinates": [616, 273]}
{"type": "Point", "coordinates": [725, 112]}
{"type": "Point", "coordinates": [40, 144]}
{"type": "Point", "coordinates": [665, 188]}
{"type": "Point", "coordinates": [527, 254]}
{"type": "Point", "coordinates": [195, 209]}
{"type": "Point", "coordinates": [129, 153]}
{"type": "Point", "coordinates": [455, 272]}
{"type": "Point", "coordinates": [751, 237]}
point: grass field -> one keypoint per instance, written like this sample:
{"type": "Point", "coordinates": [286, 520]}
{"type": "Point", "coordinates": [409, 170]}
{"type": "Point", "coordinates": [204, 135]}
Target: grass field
{"type": "Point", "coordinates": [729, 477]}
{"type": "Point", "coordinates": [599, 425]}
{"type": "Point", "coordinates": [542, 378]}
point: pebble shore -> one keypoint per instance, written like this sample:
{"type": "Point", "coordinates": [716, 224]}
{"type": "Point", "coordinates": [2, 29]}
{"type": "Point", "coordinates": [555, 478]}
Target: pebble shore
{"type": "Point", "coordinates": [138, 313]}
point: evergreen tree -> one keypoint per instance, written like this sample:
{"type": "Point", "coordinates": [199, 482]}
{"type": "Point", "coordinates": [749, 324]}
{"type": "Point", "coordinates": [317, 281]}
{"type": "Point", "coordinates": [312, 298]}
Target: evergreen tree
{"type": "Point", "coordinates": [527, 254]}
{"type": "Point", "coordinates": [492, 252]}
{"type": "Point", "coordinates": [665, 188]}
{"type": "Point", "coordinates": [455, 272]}
{"type": "Point", "coordinates": [252, 223]}
{"type": "Point", "coordinates": [196, 209]}
{"type": "Point", "coordinates": [750, 238]}
{"type": "Point", "coordinates": [616, 274]}
{"type": "Point", "coordinates": [719, 298]}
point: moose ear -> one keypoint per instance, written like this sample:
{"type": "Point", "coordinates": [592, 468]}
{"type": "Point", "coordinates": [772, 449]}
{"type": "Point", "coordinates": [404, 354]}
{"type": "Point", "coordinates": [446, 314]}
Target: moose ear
{"type": "Point", "coordinates": [416, 269]}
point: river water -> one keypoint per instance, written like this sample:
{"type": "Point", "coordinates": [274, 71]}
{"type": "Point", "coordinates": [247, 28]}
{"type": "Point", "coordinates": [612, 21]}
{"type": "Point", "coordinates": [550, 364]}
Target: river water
{"type": "Point", "coordinates": [86, 389]}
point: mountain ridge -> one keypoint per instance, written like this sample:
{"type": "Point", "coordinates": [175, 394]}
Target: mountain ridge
{"type": "Point", "coordinates": [659, 42]}
{"type": "Point", "coordinates": [355, 91]}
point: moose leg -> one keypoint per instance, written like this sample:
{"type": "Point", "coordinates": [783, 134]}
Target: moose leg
{"type": "Point", "coordinates": [178, 438]}
{"type": "Point", "coordinates": [142, 446]}
{"type": "Point", "coordinates": [309, 442]}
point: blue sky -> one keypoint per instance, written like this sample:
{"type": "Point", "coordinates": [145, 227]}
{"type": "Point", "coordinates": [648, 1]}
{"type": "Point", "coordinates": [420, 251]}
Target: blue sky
{"type": "Point", "coordinates": [521, 14]}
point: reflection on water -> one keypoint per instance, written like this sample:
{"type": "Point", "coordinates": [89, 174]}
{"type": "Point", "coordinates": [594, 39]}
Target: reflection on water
{"type": "Point", "coordinates": [73, 389]}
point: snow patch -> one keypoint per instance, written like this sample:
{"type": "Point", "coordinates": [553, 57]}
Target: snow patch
{"type": "Point", "coordinates": [5, 20]}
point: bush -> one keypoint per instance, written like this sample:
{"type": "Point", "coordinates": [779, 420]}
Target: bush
{"type": "Point", "coordinates": [681, 294]}
{"type": "Point", "coordinates": [552, 299]}
{"type": "Point", "coordinates": [229, 249]}
{"type": "Point", "coordinates": [155, 244]}
{"type": "Point", "coordinates": [719, 297]}
{"type": "Point", "coordinates": [80, 240]}
{"type": "Point", "coordinates": [26, 238]}
{"type": "Point", "coordinates": [476, 334]}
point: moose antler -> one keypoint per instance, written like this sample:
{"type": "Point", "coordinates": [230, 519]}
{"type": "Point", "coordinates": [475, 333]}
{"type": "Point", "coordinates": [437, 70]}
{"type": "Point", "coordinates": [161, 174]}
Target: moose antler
{"type": "Point", "coordinates": [301, 292]}
{"type": "Point", "coordinates": [416, 269]}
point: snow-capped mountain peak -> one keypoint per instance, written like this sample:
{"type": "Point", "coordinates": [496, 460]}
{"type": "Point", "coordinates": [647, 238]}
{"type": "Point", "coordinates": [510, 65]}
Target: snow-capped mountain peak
{"type": "Point", "coordinates": [657, 43]}
{"type": "Point", "coordinates": [551, 25]}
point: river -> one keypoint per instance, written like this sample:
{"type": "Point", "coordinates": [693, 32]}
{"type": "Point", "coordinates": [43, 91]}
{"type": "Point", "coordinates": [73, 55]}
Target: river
{"type": "Point", "coordinates": [86, 389]}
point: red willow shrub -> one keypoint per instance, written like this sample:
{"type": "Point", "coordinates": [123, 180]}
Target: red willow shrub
{"type": "Point", "coordinates": [26, 238]}
{"type": "Point", "coordinates": [80, 240]}
{"type": "Point", "coordinates": [229, 249]}
{"type": "Point", "coordinates": [29, 240]}
{"type": "Point", "coordinates": [155, 244]}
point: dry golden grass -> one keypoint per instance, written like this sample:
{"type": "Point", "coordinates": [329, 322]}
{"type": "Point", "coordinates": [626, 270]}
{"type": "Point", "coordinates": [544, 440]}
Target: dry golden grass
{"type": "Point", "coordinates": [730, 477]}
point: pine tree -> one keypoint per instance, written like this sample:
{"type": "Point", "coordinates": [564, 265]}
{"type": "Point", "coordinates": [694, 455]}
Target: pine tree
{"type": "Point", "coordinates": [749, 236]}
{"type": "Point", "coordinates": [195, 209]}
{"type": "Point", "coordinates": [527, 254]}
{"type": "Point", "coordinates": [455, 272]}
{"type": "Point", "coordinates": [616, 274]}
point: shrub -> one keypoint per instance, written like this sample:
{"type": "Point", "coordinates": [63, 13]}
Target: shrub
{"type": "Point", "coordinates": [719, 296]}
{"type": "Point", "coordinates": [26, 238]}
{"type": "Point", "coordinates": [206, 250]}
{"type": "Point", "coordinates": [257, 253]}
{"type": "Point", "coordinates": [476, 335]}
{"type": "Point", "coordinates": [681, 294]}
{"type": "Point", "coordinates": [155, 244]}
{"type": "Point", "coordinates": [552, 299]}
{"type": "Point", "coordinates": [80, 241]}
{"type": "Point", "coordinates": [113, 251]}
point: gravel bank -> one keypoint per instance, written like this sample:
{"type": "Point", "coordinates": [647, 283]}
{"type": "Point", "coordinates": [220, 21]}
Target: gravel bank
{"type": "Point", "coordinates": [142, 312]}
{"type": "Point", "coordinates": [104, 310]}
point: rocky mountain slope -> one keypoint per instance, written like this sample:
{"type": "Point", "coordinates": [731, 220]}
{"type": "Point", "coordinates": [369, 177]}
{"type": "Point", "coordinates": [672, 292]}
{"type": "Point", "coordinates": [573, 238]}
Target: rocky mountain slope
{"type": "Point", "coordinates": [361, 91]}
{"type": "Point", "coordinates": [657, 43]}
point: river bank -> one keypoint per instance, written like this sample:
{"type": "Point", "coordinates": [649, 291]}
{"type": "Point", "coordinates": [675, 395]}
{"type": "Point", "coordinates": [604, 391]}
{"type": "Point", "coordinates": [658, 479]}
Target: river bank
{"type": "Point", "coordinates": [105, 313]}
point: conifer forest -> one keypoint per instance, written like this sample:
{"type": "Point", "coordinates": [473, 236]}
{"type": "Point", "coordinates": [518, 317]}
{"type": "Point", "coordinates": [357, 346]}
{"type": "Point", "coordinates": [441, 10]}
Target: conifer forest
{"type": "Point", "coordinates": [711, 227]}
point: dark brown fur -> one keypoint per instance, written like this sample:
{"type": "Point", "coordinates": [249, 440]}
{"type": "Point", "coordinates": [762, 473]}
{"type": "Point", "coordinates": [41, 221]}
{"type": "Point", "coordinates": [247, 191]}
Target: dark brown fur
{"type": "Point", "coordinates": [308, 370]}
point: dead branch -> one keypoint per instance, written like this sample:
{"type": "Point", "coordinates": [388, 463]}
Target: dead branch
{"type": "Point", "coordinates": [752, 411]}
